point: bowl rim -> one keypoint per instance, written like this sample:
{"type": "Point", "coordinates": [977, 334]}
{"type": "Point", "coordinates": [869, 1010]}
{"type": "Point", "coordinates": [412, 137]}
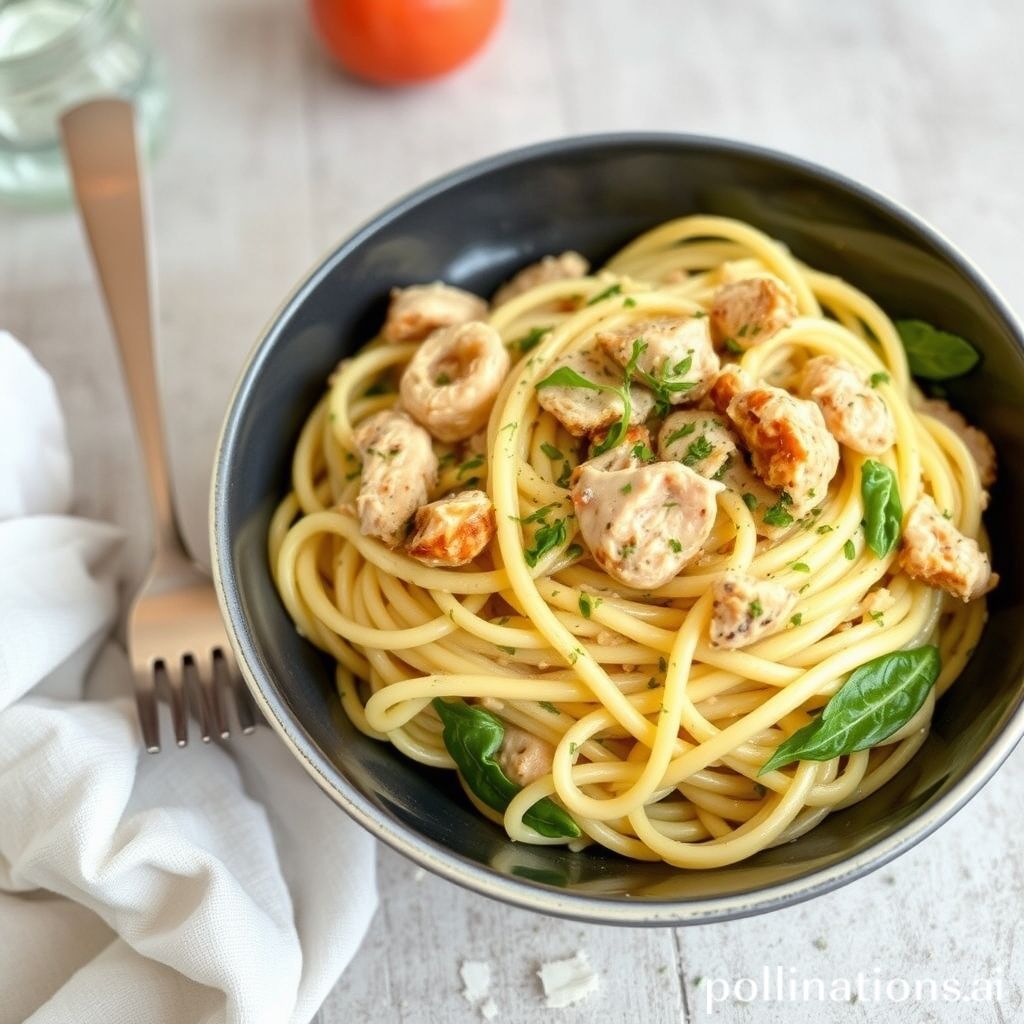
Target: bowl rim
{"type": "Point", "coordinates": [522, 892]}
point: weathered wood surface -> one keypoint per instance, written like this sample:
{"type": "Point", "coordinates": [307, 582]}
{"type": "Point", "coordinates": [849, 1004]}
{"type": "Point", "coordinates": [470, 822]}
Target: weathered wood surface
{"type": "Point", "coordinates": [273, 156]}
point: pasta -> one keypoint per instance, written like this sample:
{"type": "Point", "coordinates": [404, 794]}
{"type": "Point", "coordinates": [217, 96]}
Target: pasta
{"type": "Point", "coordinates": [582, 704]}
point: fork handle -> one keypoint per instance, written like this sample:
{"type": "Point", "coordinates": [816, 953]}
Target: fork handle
{"type": "Point", "coordinates": [100, 145]}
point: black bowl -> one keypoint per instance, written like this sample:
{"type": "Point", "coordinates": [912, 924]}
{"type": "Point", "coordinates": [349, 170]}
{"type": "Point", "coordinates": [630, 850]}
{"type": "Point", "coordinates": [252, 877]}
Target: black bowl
{"type": "Point", "coordinates": [474, 228]}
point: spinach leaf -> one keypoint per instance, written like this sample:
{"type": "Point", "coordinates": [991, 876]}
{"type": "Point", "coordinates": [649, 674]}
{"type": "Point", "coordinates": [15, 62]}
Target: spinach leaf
{"type": "Point", "coordinates": [883, 512]}
{"type": "Point", "coordinates": [935, 354]}
{"type": "Point", "coordinates": [877, 700]}
{"type": "Point", "coordinates": [472, 736]}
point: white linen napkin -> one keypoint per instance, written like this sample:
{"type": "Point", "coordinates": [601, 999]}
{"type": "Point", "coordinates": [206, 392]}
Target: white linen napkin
{"type": "Point", "coordinates": [208, 884]}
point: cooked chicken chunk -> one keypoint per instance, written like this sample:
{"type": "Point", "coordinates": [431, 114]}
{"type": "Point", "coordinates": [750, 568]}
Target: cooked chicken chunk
{"type": "Point", "coordinates": [977, 442]}
{"type": "Point", "coordinates": [583, 411]}
{"type": "Point", "coordinates": [523, 757]}
{"type": "Point", "coordinates": [745, 609]}
{"type": "Point", "coordinates": [643, 525]}
{"type": "Point", "coordinates": [791, 448]}
{"type": "Point", "coordinates": [854, 411]}
{"type": "Point", "coordinates": [728, 384]}
{"type": "Point", "coordinates": [633, 450]}
{"type": "Point", "coordinates": [416, 311]}
{"type": "Point", "coordinates": [749, 312]}
{"type": "Point", "coordinates": [678, 353]}
{"type": "Point", "coordinates": [399, 468]}
{"type": "Point", "coordinates": [935, 552]}
{"type": "Point", "coordinates": [698, 439]}
{"type": "Point", "coordinates": [551, 268]}
{"type": "Point", "coordinates": [452, 531]}
{"type": "Point", "coordinates": [453, 378]}
{"type": "Point", "coordinates": [772, 516]}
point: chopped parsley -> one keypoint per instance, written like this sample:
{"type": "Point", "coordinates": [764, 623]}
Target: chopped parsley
{"type": "Point", "coordinates": [442, 379]}
{"type": "Point", "coordinates": [549, 707]}
{"type": "Point", "coordinates": [824, 528]}
{"type": "Point", "coordinates": [625, 488]}
{"type": "Point", "coordinates": [750, 501]}
{"type": "Point", "coordinates": [849, 550]}
{"type": "Point", "coordinates": [574, 551]}
{"type": "Point", "coordinates": [675, 545]}
{"type": "Point", "coordinates": [628, 302]}
{"type": "Point", "coordinates": [879, 378]}
{"type": "Point", "coordinates": [470, 464]}
{"type": "Point", "coordinates": [611, 290]}
{"type": "Point", "coordinates": [548, 537]}
{"type": "Point", "coordinates": [551, 451]}
{"type": "Point", "coordinates": [507, 650]}
{"type": "Point", "coordinates": [754, 609]}
{"type": "Point", "coordinates": [879, 617]}
{"type": "Point", "coordinates": [588, 604]}
{"type": "Point", "coordinates": [800, 567]}
{"type": "Point", "coordinates": [698, 451]}
{"type": "Point", "coordinates": [734, 347]}
{"type": "Point", "coordinates": [530, 340]}
{"type": "Point", "coordinates": [573, 747]}
{"type": "Point", "coordinates": [683, 431]}
{"type": "Point", "coordinates": [642, 452]}
{"type": "Point", "coordinates": [563, 477]}
{"type": "Point", "coordinates": [795, 620]}
{"type": "Point", "coordinates": [777, 515]}
{"type": "Point", "coordinates": [626, 550]}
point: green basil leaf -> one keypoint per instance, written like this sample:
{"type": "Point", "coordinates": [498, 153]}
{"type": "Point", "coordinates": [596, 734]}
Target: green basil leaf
{"type": "Point", "coordinates": [876, 701]}
{"type": "Point", "coordinates": [472, 736]}
{"type": "Point", "coordinates": [883, 512]}
{"type": "Point", "coordinates": [935, 354]}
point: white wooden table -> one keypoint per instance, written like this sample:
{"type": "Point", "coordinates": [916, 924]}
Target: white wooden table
{"type": "Point", "coordinates": [274, 156]}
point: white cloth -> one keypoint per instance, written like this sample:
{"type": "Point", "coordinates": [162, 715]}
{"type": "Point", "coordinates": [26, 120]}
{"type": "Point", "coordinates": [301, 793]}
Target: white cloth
{"type": "Point", "coordinates": [206, 884]}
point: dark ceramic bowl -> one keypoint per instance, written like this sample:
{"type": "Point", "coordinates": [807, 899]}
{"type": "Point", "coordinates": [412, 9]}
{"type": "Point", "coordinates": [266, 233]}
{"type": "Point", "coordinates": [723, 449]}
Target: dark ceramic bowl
{"type": "Point", "coordinates": [474, 228]}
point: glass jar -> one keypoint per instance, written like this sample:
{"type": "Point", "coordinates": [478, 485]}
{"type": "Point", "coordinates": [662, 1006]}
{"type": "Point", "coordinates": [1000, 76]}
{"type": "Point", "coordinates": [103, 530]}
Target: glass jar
{"type": "Point", "coordinates": [55, 54]}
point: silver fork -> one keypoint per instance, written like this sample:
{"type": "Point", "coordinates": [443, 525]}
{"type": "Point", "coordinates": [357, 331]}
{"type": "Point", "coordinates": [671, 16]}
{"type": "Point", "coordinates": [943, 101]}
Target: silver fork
{"type": "Point", "coordinates": [175, 635]}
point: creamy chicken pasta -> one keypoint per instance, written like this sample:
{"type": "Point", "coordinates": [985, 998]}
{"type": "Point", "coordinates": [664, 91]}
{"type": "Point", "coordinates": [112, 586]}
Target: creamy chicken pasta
{"type": "Point", "coordinates": [674, 558]}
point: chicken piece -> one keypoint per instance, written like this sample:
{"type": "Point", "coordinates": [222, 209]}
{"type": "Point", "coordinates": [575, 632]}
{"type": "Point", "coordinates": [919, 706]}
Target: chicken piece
{"type": "Point", "coordinates": [552, 268]}
{"type": "Point", "coordinates": [935, 552]}
{"type": "Point", "coordinates": [854, 411]}
{"type": "Point", "coordinates": [977, 442]}
{"type": "Point", "coordinates": [749, 312]}
{"type": "Point", "coordinates": [772, 516]}
{"type": "Point", "coordinates": [453, 378]}
{"type": "Point", "coordinates": [643, 525]}
{"type": "Point", "coordinates": [416, 311]}
{"type": "Point", "coordinates": [523, 757]}
{"type": "Point", "coordinates": [452, 531]}
{"type": "Point", "coordinates": [791, 448]}
{"type": "Point", "coordinates": [678, 354]}
{"type": "Point", "coordinates": [698, 439]}
{"type": "Point", "coordinates": [728, 384]}
{"type": "Point", "coordinates": [744, 609]}
{"type": "Point", "coordinates": [583, 411]}
{"type": "Point", "coordinates": [399, 469]}
{"type": "Point", "coordinates": [633, 450]}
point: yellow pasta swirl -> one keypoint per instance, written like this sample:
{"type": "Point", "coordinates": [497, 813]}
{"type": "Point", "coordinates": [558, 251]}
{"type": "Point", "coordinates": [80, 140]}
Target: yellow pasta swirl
{"type": "Point", "coordinates": [658, 736]}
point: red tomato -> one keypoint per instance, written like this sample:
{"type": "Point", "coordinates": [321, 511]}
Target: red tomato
{"type": "Point", "coordinates": [396, 41]}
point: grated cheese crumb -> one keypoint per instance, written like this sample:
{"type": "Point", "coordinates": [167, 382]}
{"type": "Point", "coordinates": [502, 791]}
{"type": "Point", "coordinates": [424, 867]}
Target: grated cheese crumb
{"type": "Point", "coordinates": [489, 1009]}
{"type": "Point", "coordinates": [567, 981]}
{"type": "Point", "coordinates": [476, 976]}
{"type": "Point", "coordinates": [418, 875]}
